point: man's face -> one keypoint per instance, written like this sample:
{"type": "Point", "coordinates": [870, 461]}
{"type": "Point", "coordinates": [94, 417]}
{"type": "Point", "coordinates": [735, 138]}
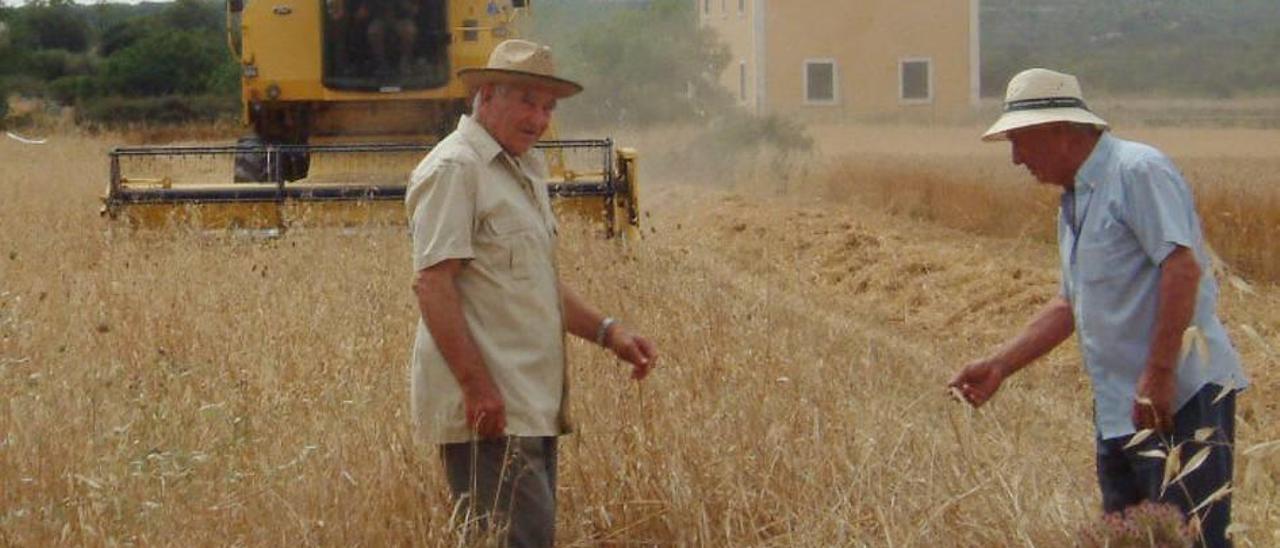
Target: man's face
{"type": "Point", "coordinates": [517, 116]}
{"type": "Point", "coordinates": [1044, 151]}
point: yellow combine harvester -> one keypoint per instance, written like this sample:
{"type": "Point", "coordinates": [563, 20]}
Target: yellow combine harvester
{"type": "Point", "coordinates": [343, 97]}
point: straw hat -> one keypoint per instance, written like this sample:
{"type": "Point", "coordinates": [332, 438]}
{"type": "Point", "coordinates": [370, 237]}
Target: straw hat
{"type": "Point", "coordinates": [520, 62]}
{"type": "Point", "coordinates": [1040, 96]}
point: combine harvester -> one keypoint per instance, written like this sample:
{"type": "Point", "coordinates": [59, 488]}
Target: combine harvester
{"type": "Point", "coordinates": [343, 98]}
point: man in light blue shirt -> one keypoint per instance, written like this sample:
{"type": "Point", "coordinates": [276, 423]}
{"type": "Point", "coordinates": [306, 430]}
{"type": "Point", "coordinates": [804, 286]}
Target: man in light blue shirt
{"type": "Point", "coordinates": [1136, 283]}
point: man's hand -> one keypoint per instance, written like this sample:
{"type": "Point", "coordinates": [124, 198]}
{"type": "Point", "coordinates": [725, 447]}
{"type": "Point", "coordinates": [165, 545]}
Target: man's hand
{"type": "Point", "coordinates": [978, 381]}
{"type": "Point", "coordinates": [1153, 407]}
{"type": "Point", "coordinates": [486, 414]}
{"type": "Point", "coordinates": [633, 349]}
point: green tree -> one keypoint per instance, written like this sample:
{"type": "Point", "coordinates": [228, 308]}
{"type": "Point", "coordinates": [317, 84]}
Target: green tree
{"type": "Point", "coordinates": [123, 34]}
{"type": "Point", "coordinates": [56, 24]}
{"type": "Point", "coordinates": [166, 62]}
{"type": "Point", "coordinates": [4, 101]}
{"type": "Point", "coordinates": [641, 63]}
{"type": "Point", "coordinates": [194, 15]}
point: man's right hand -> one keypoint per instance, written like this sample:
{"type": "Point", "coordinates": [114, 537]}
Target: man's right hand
{"type": "Point", "coordinates": [978, 381]}
{"type": "Point", "coordinates": [486, 414]}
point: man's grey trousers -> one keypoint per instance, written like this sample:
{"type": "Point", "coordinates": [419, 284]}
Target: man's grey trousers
{"type": "Point", "coordinates": [505, 487]}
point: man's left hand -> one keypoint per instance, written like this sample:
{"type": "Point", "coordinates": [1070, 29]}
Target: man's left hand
{"type": "Point", "coordinates": [633, 349]}
{"type": "Point", "coordinates": [1153, 407]}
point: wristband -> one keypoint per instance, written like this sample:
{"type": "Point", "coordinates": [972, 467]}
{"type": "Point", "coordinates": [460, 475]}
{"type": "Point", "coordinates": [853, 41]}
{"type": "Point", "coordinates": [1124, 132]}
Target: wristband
{"type": "Point", "coordinates": [603, 330]}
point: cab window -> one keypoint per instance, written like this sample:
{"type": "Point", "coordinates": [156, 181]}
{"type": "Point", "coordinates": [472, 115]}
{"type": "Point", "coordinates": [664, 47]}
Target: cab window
{"type": "Point", "coordinates": [381, 44]}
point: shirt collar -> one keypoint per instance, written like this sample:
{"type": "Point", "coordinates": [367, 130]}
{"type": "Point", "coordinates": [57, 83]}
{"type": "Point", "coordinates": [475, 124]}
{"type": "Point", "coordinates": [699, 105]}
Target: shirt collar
{"type": "Point", "coordinates": [479, 138]}
{"type": "Point", "coordinates": [1091, 171]}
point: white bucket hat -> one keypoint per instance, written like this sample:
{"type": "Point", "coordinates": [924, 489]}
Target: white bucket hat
{"type": "Point", "coordinates": [520, 62]}
{"type": "Point", "coordinates": [1041, 96]}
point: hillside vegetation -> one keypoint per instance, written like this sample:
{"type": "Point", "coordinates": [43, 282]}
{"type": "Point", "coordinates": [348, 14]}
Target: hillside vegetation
{"type": "Point", "coordinates": [168, 62]}
{"type": "Point", "coordinates": [158, 62]}
{"type": "Point", "coordinates": [1205, 48]}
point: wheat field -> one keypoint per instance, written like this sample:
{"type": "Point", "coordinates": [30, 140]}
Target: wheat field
{"type": "Point", "coordinates": [185, 388]}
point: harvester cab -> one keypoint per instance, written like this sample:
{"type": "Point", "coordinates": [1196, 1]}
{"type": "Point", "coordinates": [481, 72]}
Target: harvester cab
{"type": "Point", "coordinates": [340, 99]}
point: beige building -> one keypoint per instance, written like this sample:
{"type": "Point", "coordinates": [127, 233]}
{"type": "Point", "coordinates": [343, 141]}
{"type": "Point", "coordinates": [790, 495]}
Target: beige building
{"type": "Point", "coordinates": [850, 59]}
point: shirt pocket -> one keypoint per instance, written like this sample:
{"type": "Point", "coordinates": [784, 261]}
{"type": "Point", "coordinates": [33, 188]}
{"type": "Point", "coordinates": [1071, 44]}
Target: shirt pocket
{"type": "Point", "coordinates": [515, 239]}
{"type": "Point", "coordinates": [1100, 262]}
{"type": "Point", "coordinates": [1105, 251]}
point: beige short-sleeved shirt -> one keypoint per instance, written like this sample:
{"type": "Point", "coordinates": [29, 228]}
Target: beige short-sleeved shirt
{"type": "Point", "coordinates": [469, 199]}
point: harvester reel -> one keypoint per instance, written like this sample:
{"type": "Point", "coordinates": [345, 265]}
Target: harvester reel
{"type": "Point", "coordinates": [279, 185]}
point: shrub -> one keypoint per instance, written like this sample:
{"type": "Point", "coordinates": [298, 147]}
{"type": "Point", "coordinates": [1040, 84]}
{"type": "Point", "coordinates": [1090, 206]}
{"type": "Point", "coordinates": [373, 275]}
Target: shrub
{"type": "Point", "coordinates": [194, 15]}
{"type": "Point", "coordinates": [738, 145]}
{"type": "Point", "coordinates": [56, 25]}
{"type": "Point", "coordinates": [740, 131]}
{"type": "Point", "coordinates": [51, 64]}
{"type": "Point", "coordinates": [70, 90]}
{"type": "Point", "coordinates": [630, 77]}
{"type": "Point", "coordinates": [26, 85]}
{"type": "Point", "coordinates": [166, 63]}
{"type": "Point", "coordinates": [116, 111]}
{"type": "Point", "coordinates": [4, 102]}
{"type": "Point", "coordinates": [121, 35]}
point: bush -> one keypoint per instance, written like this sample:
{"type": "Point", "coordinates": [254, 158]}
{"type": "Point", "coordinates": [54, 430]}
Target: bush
{"type": "Point", "coordinates": [4, 102]}
{"type": "Point", "coordinates": [194, 15]}
{"type": "Point", "coordinates": [116, 111]}
{"type": "Point", "coordinates": [166, 63]}
{"type": "Point", "coordinates": [738, 131]}
{"type": "Point", "coordinates": [56, 25]}
{"type": "Point", "coordinates": [225, 79]}
{"type": "Point", "coordinates": [631, 76]}
{"type": "Point", "coordinates": [122, 35]}
{"type": "Point", "coordinates": [26, 85]}
{"type": "Point", "coordinates": [737, 144]}
{"type": "Point", "coordinates": [51, 64]}
{"type": "Point", "coordinates": [70, 90]}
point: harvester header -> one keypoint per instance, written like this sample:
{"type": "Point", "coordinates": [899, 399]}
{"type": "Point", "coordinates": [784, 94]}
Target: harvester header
{"type": "Point", "coordinates": [340, 100]}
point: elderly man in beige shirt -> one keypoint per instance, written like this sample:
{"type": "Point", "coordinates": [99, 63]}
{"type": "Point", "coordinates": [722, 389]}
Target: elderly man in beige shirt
{"type": "Point", "coordinates": [490, 382]}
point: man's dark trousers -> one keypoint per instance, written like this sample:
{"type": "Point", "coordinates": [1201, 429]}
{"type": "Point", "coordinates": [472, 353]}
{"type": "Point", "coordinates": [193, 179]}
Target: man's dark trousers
{"type": "Point", "coordinates": [1128, 478]}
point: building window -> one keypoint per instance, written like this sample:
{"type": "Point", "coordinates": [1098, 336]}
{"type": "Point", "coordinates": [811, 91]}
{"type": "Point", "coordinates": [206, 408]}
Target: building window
{"type": "Point", "coordinates": [915, 80]}
{"type": "Point", "coordinates": [742, 81]}
{"type": "Point", "coordinates": [706, 7]}
{"type": "Point", "coordinates": [742, 7]}
{"type": "Point", "coordinates": [820, 82]}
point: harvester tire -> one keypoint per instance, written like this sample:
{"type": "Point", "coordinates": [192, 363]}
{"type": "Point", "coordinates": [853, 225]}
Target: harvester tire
{"type": "Point", "coordinates": [295, 165]}
{"type": "Point", "coordinates": [251, 164]}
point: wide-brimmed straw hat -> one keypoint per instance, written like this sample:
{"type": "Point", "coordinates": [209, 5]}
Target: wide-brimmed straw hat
{"type": "Point", "coordinates": [1041, 96]}
{"type": "Point", "coordinates": [520, 62]}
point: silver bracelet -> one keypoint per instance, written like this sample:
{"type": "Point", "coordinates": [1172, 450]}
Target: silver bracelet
{"type": "Point", "coordinates": [603, 330]}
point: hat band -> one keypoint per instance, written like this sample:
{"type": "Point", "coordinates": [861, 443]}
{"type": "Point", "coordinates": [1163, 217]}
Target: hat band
{"type": "Point", "coordinates": [1045, 103]}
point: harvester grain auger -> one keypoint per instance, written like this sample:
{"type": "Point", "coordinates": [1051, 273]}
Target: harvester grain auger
{"type": "Point", "coordinates": [339, 115]}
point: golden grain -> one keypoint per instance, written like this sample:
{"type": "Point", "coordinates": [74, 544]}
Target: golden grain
{"type": "Point", "coordinates": [252, 391]}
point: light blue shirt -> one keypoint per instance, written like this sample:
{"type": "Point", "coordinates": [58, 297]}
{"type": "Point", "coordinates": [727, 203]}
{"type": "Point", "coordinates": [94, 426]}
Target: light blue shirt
{"type": "Point", "coordinates": [1129, 210]}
